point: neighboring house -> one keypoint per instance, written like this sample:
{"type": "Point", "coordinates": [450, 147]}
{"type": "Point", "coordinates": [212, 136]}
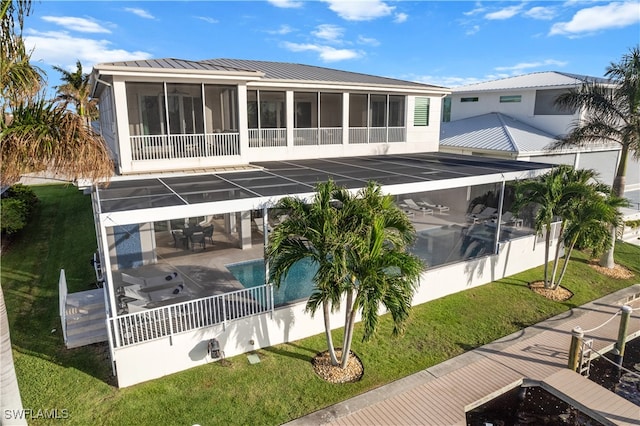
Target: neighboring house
{"type": "Point", "coordinates": [516, 117]}
{"type": "Point", "coordinates": [205, 148]}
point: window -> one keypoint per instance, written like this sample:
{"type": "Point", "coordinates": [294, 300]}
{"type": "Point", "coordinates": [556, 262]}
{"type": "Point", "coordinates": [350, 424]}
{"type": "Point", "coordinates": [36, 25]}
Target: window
{"type": "Point", "coordinates": [396, 111]}
{"type": "Point", "coordinates": [510, 98]}
{"type": "Point", "coordinates": [330, 109]}
{"type": "Point", "coordinates": [145, 106]}
{"type": "Point", "coordinates": [446, 110]}
{"type": "Point", "coordinates": [266, 109]}
{"type": "Point", "coordinates": [358, 110]}
{"type": "Point", "coordinates": [306, 110]}
{"type": "Point", "coordinates": [221, 108]}
{"type": "Point", "coordinates": [421, 112]}
{"type": "Point", "coordinates": [185, 108]}
{"type": "Point", "coordinates": [472, 99]}
{"type": "Point", "coordinates": [545, 103]}
{"type": "Point", "coordinates": [378, 108]}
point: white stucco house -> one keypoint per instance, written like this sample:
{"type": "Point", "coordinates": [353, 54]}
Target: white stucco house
{"type": "Point", "coordinates": [203, 149]}
{"type": "Point", "coordinates": [516, 118]}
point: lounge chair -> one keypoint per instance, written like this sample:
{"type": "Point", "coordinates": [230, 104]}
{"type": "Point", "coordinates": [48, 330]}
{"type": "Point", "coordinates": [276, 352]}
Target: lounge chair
{"type": "Point", "coordinates": [486, 214]}
{"type": "Point", "coordinates": [413, 206]}
{"type": "Point", "coordinates": [426, 202]}
{"type": "Point", "coordinates": [168, 278]}
{"type": "Point", "coordinates": [509, 219]}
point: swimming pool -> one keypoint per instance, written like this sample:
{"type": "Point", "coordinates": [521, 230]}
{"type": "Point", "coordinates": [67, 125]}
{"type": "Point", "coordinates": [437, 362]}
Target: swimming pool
{"type": "Point", "coordinates": [297, 285]}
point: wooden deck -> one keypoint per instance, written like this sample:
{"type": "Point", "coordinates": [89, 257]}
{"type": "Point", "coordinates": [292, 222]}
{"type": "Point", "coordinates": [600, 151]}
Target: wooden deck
{"type": "Point", "coordinates": [441, 395]}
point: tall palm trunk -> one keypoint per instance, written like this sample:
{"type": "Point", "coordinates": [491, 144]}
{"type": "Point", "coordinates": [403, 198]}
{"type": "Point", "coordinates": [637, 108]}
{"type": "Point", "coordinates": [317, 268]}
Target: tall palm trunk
{"type": "Point", "coordinates": [547, 244]}
{"type": "Point", "coordinates": [10, 401]}
{"type": "Point", "coordinates": [556, 258]}
{"type": "Point", "coordinates": [619, 183]}
{"type": "Point", "coordinates": [567, 256]}
{"type": "Point", "coordinates": [327, 332]}
{"type": "Point", "coordinates": [350, 316]}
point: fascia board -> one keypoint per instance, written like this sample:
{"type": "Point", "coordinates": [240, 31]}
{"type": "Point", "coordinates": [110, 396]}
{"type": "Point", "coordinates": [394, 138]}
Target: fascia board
{"type": "Point", "coordinates": [173, 73]}
{"type": "Point", "coordinates": [332, 85]}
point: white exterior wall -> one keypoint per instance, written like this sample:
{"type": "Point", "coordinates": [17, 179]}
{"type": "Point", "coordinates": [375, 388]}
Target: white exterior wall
{"type": "Point", "coordinates": [418, 139]}
{"type": "Point", "coordinates": [489, 102]}
{"type": "Point", "coordinates": [151, 360]}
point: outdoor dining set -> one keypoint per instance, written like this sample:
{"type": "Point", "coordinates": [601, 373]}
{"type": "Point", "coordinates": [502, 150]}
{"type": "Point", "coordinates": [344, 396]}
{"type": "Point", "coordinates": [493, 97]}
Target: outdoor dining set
{"type": "Point", "coordinates": [192, 237]}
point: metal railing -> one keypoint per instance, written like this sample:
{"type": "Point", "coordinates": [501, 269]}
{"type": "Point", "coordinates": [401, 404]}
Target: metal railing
{"type": "Point", "coordinates": [268, 138]}
{"type": "Point", "coordinates": [62, 300]}
{"type": "Point", "coordinates": [361, 135]}
{"type": "Point", "coordinates": [164, 147]}
{"type": "Point", "coordinates": [156, 323]}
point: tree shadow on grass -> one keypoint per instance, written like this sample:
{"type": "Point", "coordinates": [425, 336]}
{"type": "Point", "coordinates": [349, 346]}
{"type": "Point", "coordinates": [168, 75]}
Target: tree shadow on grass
{"type": "Point", "coordinates": [282, 351]}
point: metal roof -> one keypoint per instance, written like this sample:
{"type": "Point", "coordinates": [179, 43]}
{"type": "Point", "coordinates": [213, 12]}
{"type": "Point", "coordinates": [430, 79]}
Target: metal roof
{"type": "Point", "coordinates": [496, 132]}
{"type": "Point", "coordinates": [275, 179]}
{"type": "Point", "coordinates": [300, 72]}
{"type": "Point", "coordinates": [171, 64]}
{"type": "Point", "coordinates": [278, 71]}
{"type": "Point", "coordinates": [547, 79]}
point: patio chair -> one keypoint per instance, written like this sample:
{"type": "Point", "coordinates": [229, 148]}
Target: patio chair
{"type": "Point", "coordinates": [510, 219]}
{"type": "Point", "coordinates": [198, 238]}
{"type": "Point", "coordinates": [426, 202]}
{"type": "Point", "coordinates": [179, 239]}
{"type": "Point", "coordinates": [413, 206]}
{"type": "Point", "coordinates": [208, 233]}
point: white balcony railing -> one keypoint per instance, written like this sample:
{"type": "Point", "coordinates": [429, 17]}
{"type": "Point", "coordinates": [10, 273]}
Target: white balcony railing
{"type": "Point", "coordinates": [165, 321]}
{"type": "Point", "coordinates": [164, 147]}
{"type": "Point", "coordinates": [360, 135]}
{"type": "Point", "coordinates": [259, 138]}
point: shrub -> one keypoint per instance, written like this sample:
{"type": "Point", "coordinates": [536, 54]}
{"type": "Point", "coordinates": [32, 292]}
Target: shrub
{"type": "Point", "coordinates": [24, 194]}
{"type": "Point", "coordinates": [13, 215]}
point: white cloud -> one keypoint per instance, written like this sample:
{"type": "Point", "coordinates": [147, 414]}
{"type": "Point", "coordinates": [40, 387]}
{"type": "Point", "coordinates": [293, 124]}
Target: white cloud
{"type": "Point", "coordinates": [473, 30]}
{"type": "Point", "coordinates": [286, 4]}
{"type": "Point", "coordinates": [73, 23]}
{"type": "Point", "coordinates": [542, 13]}
{"type": "Point", "coordinates": [400, 18]}
{"type": "Point", "coordinates": [61, 49]}
{"type": "Point", "coordinates": [478, 9]}
{"type": "Point", "coordinates": [506, 13]}
{"type": "Point", "coordinates": [326, 53]}
{"type": "Point", "coordinates": [360, 10]}
{"type": "Point", "coordinates": [445, 81]}
{"type": "Point", "coordinates": [613, 15]}
{"type": "Point", "coordinates": [207, 19]}
{"type": "Point", "coordinates": [328, 32]}
{"type": "Point", "coordinates": [368, 40]}
{"type": "Point", "coordinates": [140, 12]}
{"type": "Point", "coordinates": [284, 29]}
{"type": "Point", "coordinates": [522, 66]}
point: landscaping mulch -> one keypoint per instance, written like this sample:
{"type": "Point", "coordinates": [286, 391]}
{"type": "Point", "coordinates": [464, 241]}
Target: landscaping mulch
{"type": "Point", "coordinates": [334, 374]}
{"type": "Point", "coordinates": [559, 294]}
{"type": "Point", "coordinates": [618, 272]}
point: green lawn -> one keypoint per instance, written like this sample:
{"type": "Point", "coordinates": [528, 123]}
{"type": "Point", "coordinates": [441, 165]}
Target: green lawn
{"type": "Point", "coordinates": [282, 386]}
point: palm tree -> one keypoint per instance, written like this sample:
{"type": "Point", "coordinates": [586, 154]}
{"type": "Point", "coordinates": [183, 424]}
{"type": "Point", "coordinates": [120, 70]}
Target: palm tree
{"type": "Point", "coordinates": [359, 243]}
{"type": "Point", "coordinates": [557, 194]}
{"type": "Point", "coordinates": [612, 114]}
{"type": "Point", "coordinates": [35, 135]}
{"type": "Point", "coordinates": [75, 90]}
{"type": "Point", "coordinates": [589, 224]}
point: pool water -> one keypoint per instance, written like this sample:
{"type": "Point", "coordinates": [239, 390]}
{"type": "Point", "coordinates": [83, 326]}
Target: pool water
{"type": "Point", "coordinates": [297, 285]}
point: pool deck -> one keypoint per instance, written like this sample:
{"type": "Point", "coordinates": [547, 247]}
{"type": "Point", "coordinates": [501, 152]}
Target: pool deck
{"type": "Point", "coordinates": [537, 355]}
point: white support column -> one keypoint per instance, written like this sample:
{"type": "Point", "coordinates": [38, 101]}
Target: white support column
{"type": "Point", "coordinates": [290, 107]}
{"type": "Point", "coordinates": [345, 118]}
{"type": "Point", "coordinates": [122, 125]}
{"type": "Point", "coordinates": [245, 229]}
{"type": "Point", "coordinates": [243, 120]}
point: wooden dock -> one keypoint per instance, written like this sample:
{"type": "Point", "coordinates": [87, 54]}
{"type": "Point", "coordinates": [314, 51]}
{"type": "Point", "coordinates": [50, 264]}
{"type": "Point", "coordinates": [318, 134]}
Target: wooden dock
{"type": "Point", "coordinates": [536, 356]}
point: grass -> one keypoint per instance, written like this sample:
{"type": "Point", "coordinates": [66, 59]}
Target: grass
{"type": "Point", "coordinates": [282, 386]}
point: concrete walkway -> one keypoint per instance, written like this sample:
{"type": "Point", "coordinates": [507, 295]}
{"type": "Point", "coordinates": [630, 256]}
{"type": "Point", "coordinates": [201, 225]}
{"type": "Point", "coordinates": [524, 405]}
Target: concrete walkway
{"type": "Point", "coordinates": [538, 355]}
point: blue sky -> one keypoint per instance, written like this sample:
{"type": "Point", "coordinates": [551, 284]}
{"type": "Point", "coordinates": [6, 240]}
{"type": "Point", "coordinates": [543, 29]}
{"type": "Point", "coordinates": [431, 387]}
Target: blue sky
{"type": "Point", "coordinates": [448, 43]}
